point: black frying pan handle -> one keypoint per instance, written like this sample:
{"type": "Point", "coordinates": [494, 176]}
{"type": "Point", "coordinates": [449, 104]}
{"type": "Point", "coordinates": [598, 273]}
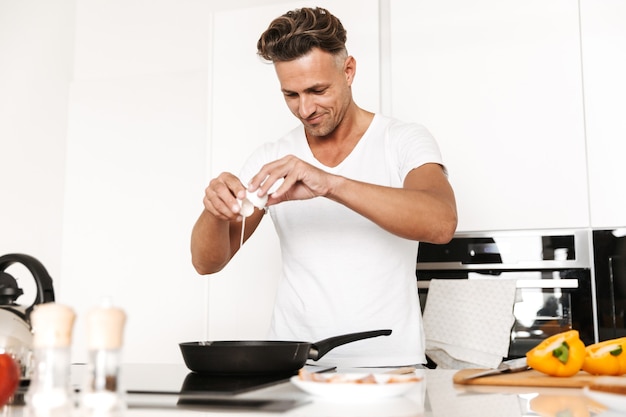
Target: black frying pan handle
{"type": "Point", "coordinates": [322, 347]}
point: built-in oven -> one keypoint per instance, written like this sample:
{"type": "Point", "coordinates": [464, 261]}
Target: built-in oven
{"type": "Point", "coordinates": [609, 259]}
{"type": "Point", "coordinates": [552, 270]}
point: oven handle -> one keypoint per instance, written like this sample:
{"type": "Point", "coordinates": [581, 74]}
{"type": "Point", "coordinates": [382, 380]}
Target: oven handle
{"type": "Point", "coordinates": [513, 266]}
{"type": "Point", "coordinates": [528, 283]}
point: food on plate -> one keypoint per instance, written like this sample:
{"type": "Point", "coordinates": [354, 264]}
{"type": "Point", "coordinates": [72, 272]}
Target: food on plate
{"type": "Point", "coordinates": [370, 378]}
{"type": "Point", "coordinates": [606, 358]}
{"type": "Point", "coordinates": [355, 386]}
{"type": "Point", "coordinates": [9, 377]}
{"type": "Point", "coordinates": [562, 354]}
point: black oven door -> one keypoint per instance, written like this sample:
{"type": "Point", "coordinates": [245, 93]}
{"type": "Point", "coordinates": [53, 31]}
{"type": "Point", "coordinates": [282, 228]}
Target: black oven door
{"type": "Point", "coordinates": [547, 302]}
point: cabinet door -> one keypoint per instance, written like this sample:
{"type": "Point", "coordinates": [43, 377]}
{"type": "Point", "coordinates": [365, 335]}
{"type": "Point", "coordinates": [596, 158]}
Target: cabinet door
{"type": "Point", "coordinates": [603, 25]}
{"type": "Point", "coordinates": [499, 85]}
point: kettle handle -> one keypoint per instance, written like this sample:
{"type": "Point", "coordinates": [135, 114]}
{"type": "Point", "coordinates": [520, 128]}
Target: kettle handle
{"type": "Point", "coordinates": [45, 291]}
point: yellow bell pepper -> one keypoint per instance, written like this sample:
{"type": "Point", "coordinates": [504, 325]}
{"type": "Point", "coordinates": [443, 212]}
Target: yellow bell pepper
{"type": "Point", "coordinates": [606, 358]}
{"type": "Point", "coordinates": [562, 354]}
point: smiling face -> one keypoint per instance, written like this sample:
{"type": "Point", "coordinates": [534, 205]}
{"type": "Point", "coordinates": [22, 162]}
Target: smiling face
{"type": "Point", "coordinates": [317, 90]}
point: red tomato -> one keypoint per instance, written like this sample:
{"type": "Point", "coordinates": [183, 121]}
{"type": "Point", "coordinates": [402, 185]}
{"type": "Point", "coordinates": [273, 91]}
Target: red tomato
{"type": "Point", "coordinates": [9, 377]}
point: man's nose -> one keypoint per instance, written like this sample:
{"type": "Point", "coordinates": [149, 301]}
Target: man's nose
{"type": "Point", "coordinates": [307, 106]}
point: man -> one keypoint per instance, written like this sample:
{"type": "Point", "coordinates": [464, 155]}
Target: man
{"type": "Point", "coordinates": [350, 194]}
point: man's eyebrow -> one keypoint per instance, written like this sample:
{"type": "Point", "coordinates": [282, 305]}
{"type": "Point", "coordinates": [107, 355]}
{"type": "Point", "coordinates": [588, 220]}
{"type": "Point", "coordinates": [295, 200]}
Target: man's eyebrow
{"type": "Point", "coordinates": [314, 87]}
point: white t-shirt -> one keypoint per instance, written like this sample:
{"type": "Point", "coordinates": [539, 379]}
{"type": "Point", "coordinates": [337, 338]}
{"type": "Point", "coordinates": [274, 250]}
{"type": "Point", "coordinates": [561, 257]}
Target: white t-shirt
{"type": "Point", "coordinates": [341, 272]}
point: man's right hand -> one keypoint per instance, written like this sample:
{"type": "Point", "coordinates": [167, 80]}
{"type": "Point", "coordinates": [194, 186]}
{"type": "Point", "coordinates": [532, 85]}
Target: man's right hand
{"type": "Point", "coordinates": [220, 197]}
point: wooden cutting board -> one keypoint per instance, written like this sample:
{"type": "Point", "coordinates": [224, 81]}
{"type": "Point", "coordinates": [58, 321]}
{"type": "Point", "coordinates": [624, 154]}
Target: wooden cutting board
{"type": "Point", "coordinates": [530, 378]}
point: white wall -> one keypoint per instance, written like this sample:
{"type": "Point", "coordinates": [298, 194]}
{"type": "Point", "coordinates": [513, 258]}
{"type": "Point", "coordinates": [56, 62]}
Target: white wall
{"type": "Point", "coordinates": [103, 134]}
{"type": "Point", "coordinates": [104, 126]}
{"type": "Point", "coordinates": [36, 53]}
{"type": "Point", "coordinates": [137, 138]}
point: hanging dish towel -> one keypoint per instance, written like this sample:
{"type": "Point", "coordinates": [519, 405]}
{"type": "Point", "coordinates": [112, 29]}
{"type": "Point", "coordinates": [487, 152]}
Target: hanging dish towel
{"type": "Point", "coordinates": [467, 322]}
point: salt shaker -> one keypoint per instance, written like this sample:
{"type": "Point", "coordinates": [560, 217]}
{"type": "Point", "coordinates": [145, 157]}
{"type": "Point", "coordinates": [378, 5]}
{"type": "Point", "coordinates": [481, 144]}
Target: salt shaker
{"type": "Point", "coordinates": [102, 395]}
{"type": "Point", "coordinates": [50, 393]}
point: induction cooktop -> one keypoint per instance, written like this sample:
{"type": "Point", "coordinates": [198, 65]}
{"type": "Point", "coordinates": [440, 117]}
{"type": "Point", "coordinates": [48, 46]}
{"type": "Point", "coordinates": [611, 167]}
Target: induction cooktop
{"type": "Point", "coordinates": [174, 386]}
{"type": "Point", "coordinates": [178, 380]}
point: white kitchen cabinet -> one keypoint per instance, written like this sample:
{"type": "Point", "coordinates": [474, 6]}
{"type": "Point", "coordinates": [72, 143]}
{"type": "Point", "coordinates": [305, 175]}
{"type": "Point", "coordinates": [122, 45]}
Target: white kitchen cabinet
{"type": "Point", "coordinates": [133, 190]}
{"type": "Point", "coordinates": [124, 38]}
{"type": "Point", "coordinates": [499, 84]}
{"type": "Point", "coordinates": [604, 65]}
{"type": "Point", "coordinates": [36, 39]}
{"type": "Point", "coordinates": [248, 109]}
{"type": "Point", "coordinates": [136, 135]}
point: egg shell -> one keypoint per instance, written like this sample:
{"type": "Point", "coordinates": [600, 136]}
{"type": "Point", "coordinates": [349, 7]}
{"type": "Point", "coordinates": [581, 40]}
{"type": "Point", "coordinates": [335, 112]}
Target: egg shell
{"type": "Point", "coordinates": [247, 208]}
{"type": "Point", "coordinates": [256, 201]}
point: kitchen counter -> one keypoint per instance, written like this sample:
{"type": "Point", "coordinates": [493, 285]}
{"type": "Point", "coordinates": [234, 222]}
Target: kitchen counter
{"type": "Point", "coordinates": [437, 396]}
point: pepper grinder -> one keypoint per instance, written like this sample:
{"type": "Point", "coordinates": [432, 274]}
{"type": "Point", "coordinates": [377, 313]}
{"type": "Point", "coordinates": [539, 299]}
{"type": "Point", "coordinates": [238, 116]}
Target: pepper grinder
{"type": "Point", "coordinates": [49, 393]}
{"type": "Point", "coordinates": [102, 395]}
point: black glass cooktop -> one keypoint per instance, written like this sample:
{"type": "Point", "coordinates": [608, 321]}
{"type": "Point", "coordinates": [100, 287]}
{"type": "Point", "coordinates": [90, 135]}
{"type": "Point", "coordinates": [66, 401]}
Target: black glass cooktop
{"type": "Point", "coordinates": [174, 386]}
{"type": "Point", "coordinates": [178, 380]}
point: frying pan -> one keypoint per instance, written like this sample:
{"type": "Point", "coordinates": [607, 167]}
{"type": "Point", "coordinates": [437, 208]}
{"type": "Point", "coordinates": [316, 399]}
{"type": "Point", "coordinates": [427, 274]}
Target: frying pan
{"type": "Point", "coordinates": [262, 357]}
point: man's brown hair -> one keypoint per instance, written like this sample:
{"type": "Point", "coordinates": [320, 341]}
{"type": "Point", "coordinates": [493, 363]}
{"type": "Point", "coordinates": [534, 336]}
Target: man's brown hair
{"type": "Point", "coordinates": [295, 33]}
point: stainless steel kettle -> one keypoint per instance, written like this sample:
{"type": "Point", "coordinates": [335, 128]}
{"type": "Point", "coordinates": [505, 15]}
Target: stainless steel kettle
{"type": "Point", "coordinates": [16, 335]}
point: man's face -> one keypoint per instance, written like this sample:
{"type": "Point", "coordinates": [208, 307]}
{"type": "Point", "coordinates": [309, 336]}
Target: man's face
{"type": "Point", "coordinates": [316, 88]}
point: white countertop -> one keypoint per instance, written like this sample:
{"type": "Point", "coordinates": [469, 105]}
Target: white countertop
{"type": "Point", "coordinates": [437, 396]}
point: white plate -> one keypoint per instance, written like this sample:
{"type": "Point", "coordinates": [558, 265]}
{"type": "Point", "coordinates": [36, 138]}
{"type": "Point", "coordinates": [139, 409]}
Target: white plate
{"type": "Point", "coordinates": [615, 402]}
{"type": "Point", "coordinates": [350, 391]}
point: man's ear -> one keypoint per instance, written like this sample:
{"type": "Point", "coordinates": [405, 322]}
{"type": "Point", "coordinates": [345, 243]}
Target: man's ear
{"type": "Point", "coordinates": [349, 69]}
